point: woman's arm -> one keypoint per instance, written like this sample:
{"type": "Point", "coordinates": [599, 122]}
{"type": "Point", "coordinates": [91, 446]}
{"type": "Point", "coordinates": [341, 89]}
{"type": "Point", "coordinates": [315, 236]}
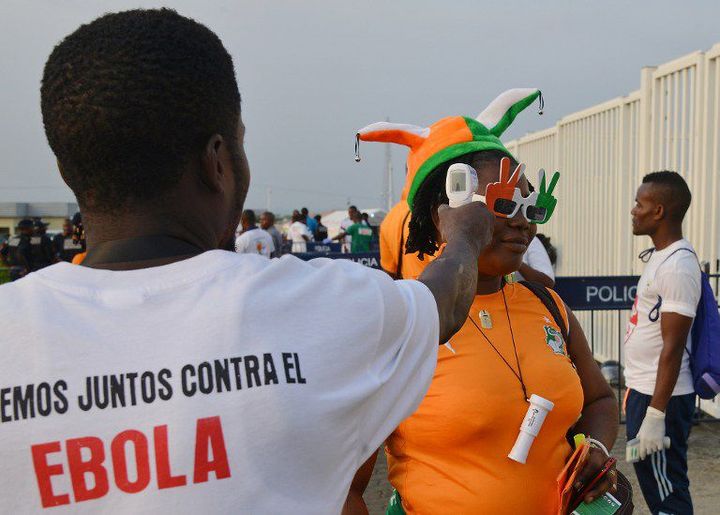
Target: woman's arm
{"type": "Point", "coordinates": [355, 504]}
{"type": "Point", "coordinates": [599, 418]}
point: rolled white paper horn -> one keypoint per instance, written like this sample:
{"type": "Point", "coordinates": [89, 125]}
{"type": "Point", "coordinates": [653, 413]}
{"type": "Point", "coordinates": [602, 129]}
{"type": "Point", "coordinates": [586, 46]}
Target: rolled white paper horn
{"type": "Point", "coordinates": [530, 427]}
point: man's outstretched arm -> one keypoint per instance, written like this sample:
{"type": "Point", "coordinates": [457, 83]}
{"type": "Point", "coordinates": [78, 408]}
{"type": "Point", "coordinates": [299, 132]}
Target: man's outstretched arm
{"type": "Point", "coordinates": [452, 277]}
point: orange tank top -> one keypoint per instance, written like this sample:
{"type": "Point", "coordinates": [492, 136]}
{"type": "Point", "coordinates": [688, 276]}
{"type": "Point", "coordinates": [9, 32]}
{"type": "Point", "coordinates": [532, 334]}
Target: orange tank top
{"type": "Point", "coordinates": [450, 456]}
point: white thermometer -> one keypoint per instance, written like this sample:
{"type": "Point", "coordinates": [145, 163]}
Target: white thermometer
{"type": "Point", "coordinates": [460, 184]}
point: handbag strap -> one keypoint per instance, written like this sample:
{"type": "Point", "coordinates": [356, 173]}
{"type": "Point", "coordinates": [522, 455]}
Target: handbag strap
{"type": "Point", "coordinates": [542, 293]}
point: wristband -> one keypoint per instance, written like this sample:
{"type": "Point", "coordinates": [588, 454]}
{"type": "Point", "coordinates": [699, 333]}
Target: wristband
{"type": "Point", "coordinates": [598, 445]}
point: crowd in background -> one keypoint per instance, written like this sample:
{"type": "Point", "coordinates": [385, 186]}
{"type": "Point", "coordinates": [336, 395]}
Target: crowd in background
{"type": "Point", "coordinates": [262, 236]}
{"type": "Point", "coordinates": [32, 248]}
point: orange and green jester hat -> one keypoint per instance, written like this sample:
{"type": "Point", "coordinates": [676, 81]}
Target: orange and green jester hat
{"type": "Point", "coordinates": [450, 137]}
{"type": "Point", "coordinates": [431, 146]}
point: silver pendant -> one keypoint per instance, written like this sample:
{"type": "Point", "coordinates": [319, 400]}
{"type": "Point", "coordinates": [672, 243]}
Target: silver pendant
{"type": "Point", "coordinates": [485, 319]}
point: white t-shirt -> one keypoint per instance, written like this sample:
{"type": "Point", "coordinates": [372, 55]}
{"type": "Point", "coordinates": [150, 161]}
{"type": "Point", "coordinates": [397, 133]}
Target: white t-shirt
{"type": "Point", "coordinates": [536, 257]}
{"type": "Point", "coordinates": [255, 241]}
{"type": "Point", "coordinates": [347, 240]}
{"type": "Point", "coordinates": [229, 389]}
{"type": "Point", "coordinates": [295, 234]}
{"type": "Point", "coordinates": [677, 281]}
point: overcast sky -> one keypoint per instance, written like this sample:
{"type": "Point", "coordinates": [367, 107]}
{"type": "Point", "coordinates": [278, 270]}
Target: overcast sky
{"type": "Point", "coordinates": [312, 72]}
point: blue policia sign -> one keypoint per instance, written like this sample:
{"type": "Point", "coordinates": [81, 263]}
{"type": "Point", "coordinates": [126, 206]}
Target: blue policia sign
{"type": "Point", "coordinates": [369, 259]}
{"type": "Point", "coordinates": [585, 293]}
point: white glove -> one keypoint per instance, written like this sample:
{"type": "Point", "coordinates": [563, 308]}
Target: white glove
{"type": "Point", "coordinates": [651, 433]}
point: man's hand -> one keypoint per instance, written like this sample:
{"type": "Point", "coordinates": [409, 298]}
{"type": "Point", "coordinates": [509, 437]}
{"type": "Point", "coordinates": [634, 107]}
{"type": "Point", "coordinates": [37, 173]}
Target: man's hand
{"type": "Point", "coordinates": [472, 223]}
{"type": "Point", "coordinates": [452, 277]}
{"type": "Point", "coordinates": [651, 433]}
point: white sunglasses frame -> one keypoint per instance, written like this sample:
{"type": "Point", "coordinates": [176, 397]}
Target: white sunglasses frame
{"type": "Point", "coordinates": [520, 203]}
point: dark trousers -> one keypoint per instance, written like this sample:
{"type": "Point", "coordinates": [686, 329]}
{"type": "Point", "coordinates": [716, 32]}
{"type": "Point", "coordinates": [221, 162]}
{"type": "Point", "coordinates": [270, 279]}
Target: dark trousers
{"type": "Point", "coordinates": [663, 475]}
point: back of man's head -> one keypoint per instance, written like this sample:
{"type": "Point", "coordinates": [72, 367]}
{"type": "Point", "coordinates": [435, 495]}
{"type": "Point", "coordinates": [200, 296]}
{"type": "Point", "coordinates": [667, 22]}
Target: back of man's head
{"type": "Point", "coordinates": [304, 211]}
{"type": "Point", "coordinates": [248, 218]}
{"type": "Point", "coordinates": [671, 191]}
{"type": "Point", "coordinates": [129, 102]}
{"type": "Point", "coordinates": [25, 226]}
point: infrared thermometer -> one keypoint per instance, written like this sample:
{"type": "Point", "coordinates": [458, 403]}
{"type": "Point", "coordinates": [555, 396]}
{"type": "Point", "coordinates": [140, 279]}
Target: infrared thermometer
{"type": "Point", "coordinates": [460, 184]}
{"type": "Point", "coordinates": [530, 427]}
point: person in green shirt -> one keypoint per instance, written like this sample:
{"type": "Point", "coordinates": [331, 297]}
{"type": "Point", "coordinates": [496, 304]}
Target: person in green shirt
{"type": "Point", "coordinates": [361, 234]}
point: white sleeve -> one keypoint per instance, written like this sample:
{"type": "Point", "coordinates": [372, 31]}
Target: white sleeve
{"type": "Point", "coordinates": [241, 244]}
{"type": "Point", "coordinates": [404, 361]}
{"type": "Point", "coordinates": [680, 291]}
{"type": "Point", "coordinates": [537, 258]}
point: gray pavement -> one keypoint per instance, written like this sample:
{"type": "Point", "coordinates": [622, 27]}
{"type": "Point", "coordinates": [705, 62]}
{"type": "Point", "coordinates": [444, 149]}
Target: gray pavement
{"type": "Point", "coordinates": [703, 462]}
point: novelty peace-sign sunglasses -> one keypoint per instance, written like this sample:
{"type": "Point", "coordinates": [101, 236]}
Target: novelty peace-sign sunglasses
{"type": "Point", "coordinates": [505, 199]}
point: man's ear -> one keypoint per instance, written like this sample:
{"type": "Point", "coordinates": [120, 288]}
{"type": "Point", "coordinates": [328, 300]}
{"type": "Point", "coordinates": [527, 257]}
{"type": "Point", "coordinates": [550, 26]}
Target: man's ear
{"type": "Point", "coordinates": [212, 170]}
{"type": "Point", "coordinates": [659, 212]}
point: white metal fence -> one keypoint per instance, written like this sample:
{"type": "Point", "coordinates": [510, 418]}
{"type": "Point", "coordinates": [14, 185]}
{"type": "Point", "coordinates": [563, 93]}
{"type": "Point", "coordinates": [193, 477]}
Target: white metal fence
{"type": "Point", "coordinates": [672, 122]}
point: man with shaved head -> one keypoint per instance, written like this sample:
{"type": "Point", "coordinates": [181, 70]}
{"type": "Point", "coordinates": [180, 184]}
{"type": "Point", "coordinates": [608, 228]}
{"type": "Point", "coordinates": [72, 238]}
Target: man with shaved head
{"type": "Point", "coordinates": [661, 397]}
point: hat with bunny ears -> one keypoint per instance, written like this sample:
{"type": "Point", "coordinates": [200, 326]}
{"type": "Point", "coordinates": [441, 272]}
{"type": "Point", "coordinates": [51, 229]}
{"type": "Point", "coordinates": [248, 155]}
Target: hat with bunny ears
{"type": "Point", "coordinates": [450, 137]}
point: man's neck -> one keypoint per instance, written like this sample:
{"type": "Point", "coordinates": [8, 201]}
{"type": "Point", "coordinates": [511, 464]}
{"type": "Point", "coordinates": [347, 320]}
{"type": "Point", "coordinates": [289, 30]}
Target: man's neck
{"type": "Point", "coordinates": [666, 236]}
{"type": "Point", "coordinates": [140, 240]}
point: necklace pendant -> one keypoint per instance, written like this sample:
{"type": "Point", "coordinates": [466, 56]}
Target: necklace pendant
{"type": "Point", "coordinates": [485, 320]}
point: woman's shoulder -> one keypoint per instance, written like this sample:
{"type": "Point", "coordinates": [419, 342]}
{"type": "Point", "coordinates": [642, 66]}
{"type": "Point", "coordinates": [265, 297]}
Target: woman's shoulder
{"type": "Point", "coordinates": [530, 294]}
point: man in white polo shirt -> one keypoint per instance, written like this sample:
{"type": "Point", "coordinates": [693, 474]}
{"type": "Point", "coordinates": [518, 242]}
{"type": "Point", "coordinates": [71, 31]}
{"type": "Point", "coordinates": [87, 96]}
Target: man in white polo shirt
{"type": "Point", "coordinates": [253, 239]}
{"type": "Point", "coordinates": [164, 375]}
{"type": "Point", "coordinates": [661, 397]}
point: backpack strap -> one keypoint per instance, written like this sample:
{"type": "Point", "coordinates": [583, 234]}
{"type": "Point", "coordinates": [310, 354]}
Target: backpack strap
{"type": "Point", "coordinates": [542, 293]}
{"type": "Point", "coordinates": [675, 252]}
{"type": "Point", "coordinates": [672, 254]}
{"type": "Point", "coordinates": [654, 314]}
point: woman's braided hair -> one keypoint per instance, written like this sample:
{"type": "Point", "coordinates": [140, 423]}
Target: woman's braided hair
{"type": "Point", "coordinates": [423, 235]}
